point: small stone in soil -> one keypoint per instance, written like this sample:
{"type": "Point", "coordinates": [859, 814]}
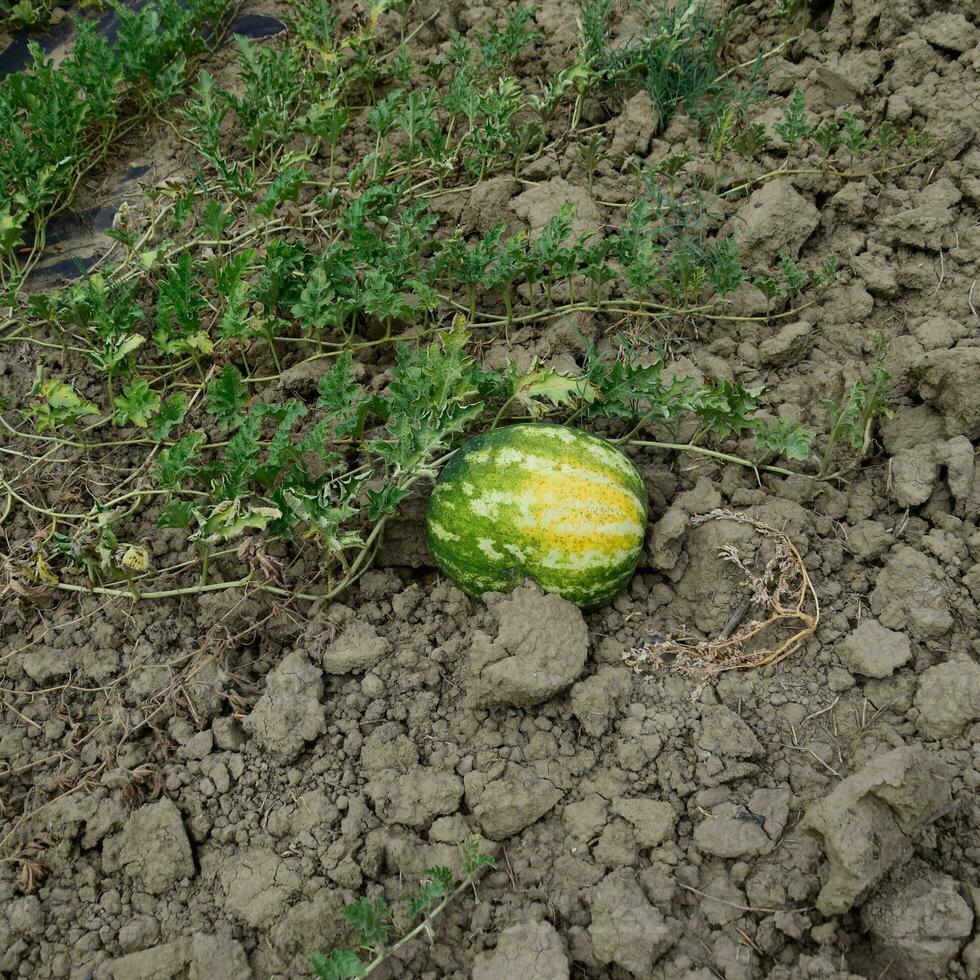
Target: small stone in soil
{"type": "Point", "coordinates": [257, 886]}
{"type": "Point", "coordinates": [723, 733]}
{"type": "Point", "coordinates": [289, 713]}
{"type": "Point", "coordinates": [597, 699]}
{"type": "Point", "coordinates": [417, 797]}
{"type": "Point", "coordinates": [868, 821]}
{"type": "Point", "coordinates": [775, 218]}
{"type": "Point", "coordinates": [505, 806]}
{"type": "Point", "coordinates": [540, 649]}
{"type": "Point", "coordinates": [653, 820]}
{"type": "Point", "coordinates": [153, 848]}
{"type": "Point", "coordinates": [909, 593]}
{"type": "Point", "coordinates": [358, 648]}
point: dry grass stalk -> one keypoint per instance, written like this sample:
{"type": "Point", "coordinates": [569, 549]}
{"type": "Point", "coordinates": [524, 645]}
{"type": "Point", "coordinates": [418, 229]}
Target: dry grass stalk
{"type": "Point", "coordinates": [783, 596]}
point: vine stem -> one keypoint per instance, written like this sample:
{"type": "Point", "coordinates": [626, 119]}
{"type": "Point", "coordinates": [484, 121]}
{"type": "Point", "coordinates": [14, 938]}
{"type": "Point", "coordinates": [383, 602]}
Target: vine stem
{"type": "Point", "coordinates": [114, 502]}
{"type": "Point", "coordinates": [187, 590]}
{"type": "Point", "coordinates": [357, 568]}
{"type": "Point", "coordinates": [843, 174]}
{"type": "Point", "coordinates": [424, 926]}
{"type": "Point", "coordinates": [624, 307]}
{"type": "Point", "coordinates": [713, 453]}
{"type": "Point", "coordinates": [500, 414]}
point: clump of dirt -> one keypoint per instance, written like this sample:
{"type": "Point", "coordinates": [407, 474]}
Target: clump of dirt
{"type": "Point", "coordinates": [539, 651]}
{"type": "Point", "coordinates": [868, 822]}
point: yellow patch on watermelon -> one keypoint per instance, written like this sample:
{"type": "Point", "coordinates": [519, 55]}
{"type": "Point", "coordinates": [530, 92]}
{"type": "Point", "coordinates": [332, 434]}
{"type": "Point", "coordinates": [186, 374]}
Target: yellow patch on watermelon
{"type": "Point", "coordinates": [602, 528]}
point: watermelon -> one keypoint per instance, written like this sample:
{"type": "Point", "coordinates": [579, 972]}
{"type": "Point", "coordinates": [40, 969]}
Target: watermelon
{"type": "Point", "coordinates": [540, 501]}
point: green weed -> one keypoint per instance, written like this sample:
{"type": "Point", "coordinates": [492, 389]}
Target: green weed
{"type": "Point", "coordinates": [676, 59]}
{"type": "Point", "coordinates": [852, 421]}
{"type": "Point", "coordinates": [371, 918]}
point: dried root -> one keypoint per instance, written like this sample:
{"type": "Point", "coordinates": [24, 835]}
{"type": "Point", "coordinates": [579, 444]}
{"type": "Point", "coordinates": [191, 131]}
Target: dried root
{"type": "Point", "coordinates": [783, 596]}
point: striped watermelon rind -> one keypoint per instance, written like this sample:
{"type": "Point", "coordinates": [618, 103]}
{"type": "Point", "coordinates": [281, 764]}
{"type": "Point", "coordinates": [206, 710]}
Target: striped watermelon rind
{"type": "Point", "coordinates": [540, 501]}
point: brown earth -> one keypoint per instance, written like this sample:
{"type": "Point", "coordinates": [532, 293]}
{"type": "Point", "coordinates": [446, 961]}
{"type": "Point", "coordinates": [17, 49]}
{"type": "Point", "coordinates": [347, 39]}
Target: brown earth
{"type": "Point", "coordinates": [203, 783]}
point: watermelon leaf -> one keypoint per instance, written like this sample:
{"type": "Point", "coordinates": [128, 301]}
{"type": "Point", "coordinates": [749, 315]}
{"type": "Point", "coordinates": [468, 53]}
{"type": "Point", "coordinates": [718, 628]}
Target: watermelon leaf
{"type": "Point", "coordinates": [137, 404]}
{"type": "Point", "coordinates": [540, 384]}
{"type": "Point", "coordinates": [227, 398]}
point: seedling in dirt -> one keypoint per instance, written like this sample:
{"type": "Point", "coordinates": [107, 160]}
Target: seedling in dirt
{"type": "Point", "coordinates": [373, 922]}
{"type": "Point", "coordinates": [326, 121]}
{"type": "Point", "coordinates": [725, 272]}
{"type": "Point", "coordinates": [500, 47]}
{"type": "Point", "coordinates": [180, 307]}
{"type": "Point", "coordinates": [827, 137]}
{"type": "Point", "coordinates": [722, 135]}
{"type": "Point", "coordinates": [109, 315]}
{"type": "Point", "coordinates": [507, 268]}
{"type": "Point", "coordinates": [852, 421]}
{"type": "Point", "coordinates": [853, 136]}
{"type": "Point", "coordinates": [782, 437]}
{"type": "Point", "coordinates": [915, 139]}
{"type": "Point", "coordinates": [27, 13]}
{"type": "Point", "coordinates": [885, 136]}
{"type": "Point", "coordinates": [794, 128]}
{"type": "Point", "coordinates": [382, 116]}
{"type": "Point", "coordinates": [470, 265]}
{"type": "Point", "coordinates": [750, 140]}
{"type": "Point", "coordinates": [546, 104]}
{"type": "Point", "coordinates": [204, 115]}
{"type": "Point", "coordinates": [170, 414]}
{"type": "Point", "coordinates": [272, 86]}
{"type": "Point", "coordinates": [548, 258]}
{"type": "Point", "coordinates": [416, 118]}
{"type": "Point", "coordinates": [675, 58]}
{"type": "Point", "coordinates": [593, 152]}
{"type": "Point", "coordinates": [228, 398]}
{"type": "Point", "coordinates": [595, 16]}
{"type": "Point", "coordinates": [285, 187]}
{"type": "Point", "coordinates": [175, 463]}
{"type": "Point", "coordinates": [317, 304]}
{"type": "Point", "coordinates": [788, 9]}
{"type": "Point", "coordinates": [793, 280]}
{"type": "Point", "coordinates": [490, 138]}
